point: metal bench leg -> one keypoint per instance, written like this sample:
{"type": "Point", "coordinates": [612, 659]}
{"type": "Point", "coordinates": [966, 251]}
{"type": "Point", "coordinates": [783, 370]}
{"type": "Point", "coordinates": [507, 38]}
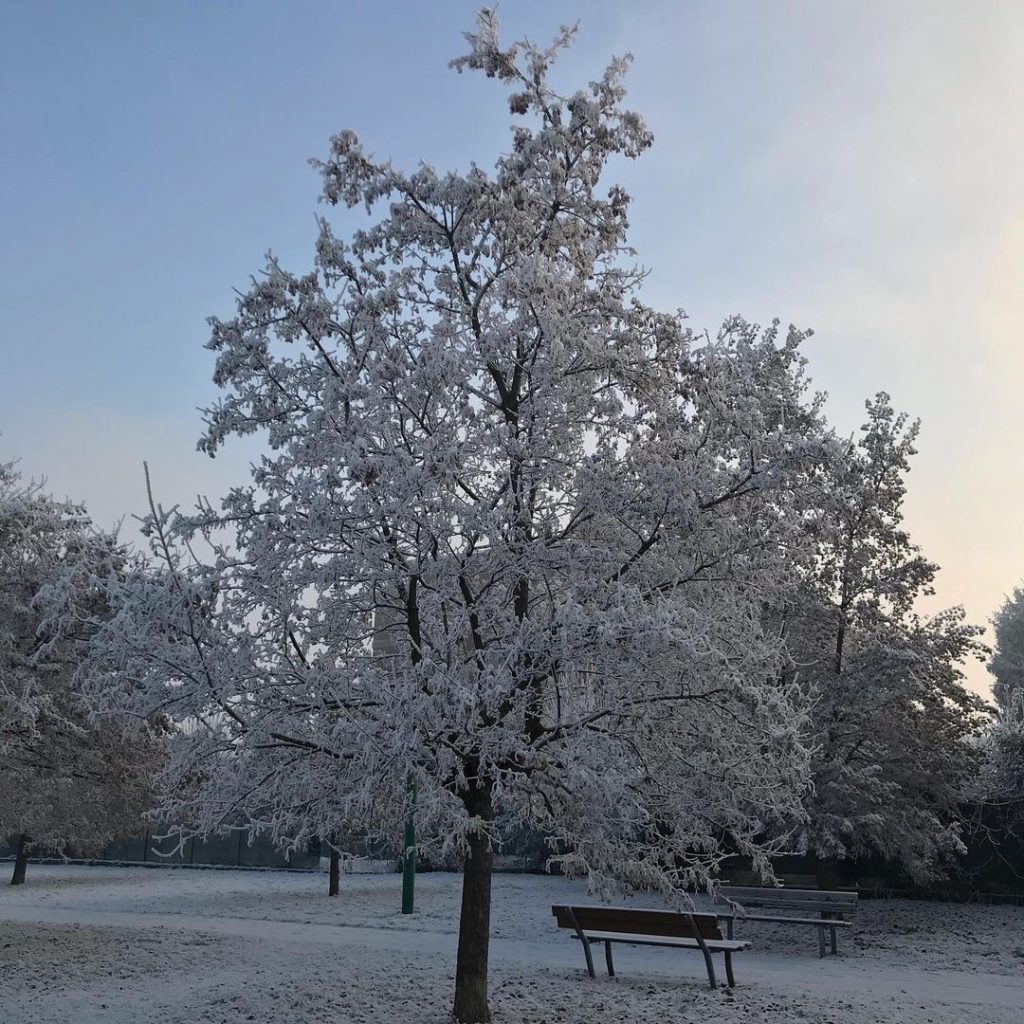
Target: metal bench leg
{"type": "Point", "coordinates": [821, 941]}
{"type": "Point", "coordinates": [835, 951]}
{"type": "Point", "coordinates": [728, 970]}
{"type": "Point", "coordinates": [608, 959]}
{"type": "Point", "coordinates": [728, 927]}
{"type": "Point", "coordinates": [590, 959]}
{"type": "Point", "coordinates": [584, 942]}
{"type": "Point", "coordinates": [710, 964]}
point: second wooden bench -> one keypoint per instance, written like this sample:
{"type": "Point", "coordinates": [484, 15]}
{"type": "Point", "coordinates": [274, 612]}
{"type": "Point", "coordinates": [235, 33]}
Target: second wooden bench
{"type": "Point", "coordinates": [832, 908]}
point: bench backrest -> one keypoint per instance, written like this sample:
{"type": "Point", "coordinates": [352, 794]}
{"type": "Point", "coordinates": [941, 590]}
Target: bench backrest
{"type": "Point", "coordinates": [637, 921]}
{"type": "Point", "coordinates": [810, 900]}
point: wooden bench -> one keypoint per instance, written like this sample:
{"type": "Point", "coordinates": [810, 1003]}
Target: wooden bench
{"type": "Point", "coordinates": [637, 927]}
{"type": "Point", "coordinates": [832, 909]}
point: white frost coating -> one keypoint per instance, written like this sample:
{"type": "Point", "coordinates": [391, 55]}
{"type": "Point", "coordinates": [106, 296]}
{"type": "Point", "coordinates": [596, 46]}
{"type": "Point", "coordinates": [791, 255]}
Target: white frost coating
{"type": "Point", "coordinates": [892, 723]}
{"type": "Point", "coordinates": [64, 778]}
{"type": "Point", "coordinates": [1003, 774]}
{"type": "Point", "coordinates": [573, 510]}
{"type": "Point", "coordinates": [568, 512]}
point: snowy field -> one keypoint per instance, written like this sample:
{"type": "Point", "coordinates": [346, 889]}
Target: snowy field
{"type": "Point", "coordinates": [143, 946]}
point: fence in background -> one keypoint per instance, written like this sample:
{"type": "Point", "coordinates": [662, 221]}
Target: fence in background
{"type": "Point", "coordinates": [233, 851]}
{"type": "Point", "coordinates": [993, 867]}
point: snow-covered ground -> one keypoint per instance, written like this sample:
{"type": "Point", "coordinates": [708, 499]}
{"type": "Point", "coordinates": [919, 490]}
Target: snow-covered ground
{"type": "Point", "coordinates": [118, 945]}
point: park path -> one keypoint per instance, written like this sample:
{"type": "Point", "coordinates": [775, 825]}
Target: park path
{"type": "Point", "coordinates": [836, 977]}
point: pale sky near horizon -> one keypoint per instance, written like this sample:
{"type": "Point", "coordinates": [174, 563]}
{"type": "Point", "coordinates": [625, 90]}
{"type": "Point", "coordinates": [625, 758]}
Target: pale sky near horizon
{"type": "Point", "coordinates": [855, 167]}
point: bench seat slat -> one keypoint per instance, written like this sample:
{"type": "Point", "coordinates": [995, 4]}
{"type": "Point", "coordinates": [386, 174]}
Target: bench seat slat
{"type": "Point", "coordinates": [785, 890]}
{"type": "Point", "coordinates": [738, 898]}
{"type": "Point", "coordinates": [805, 907]}
{"type": "Point", "coordinates": [850, 908]}
{"type": "Point", "coordinates": [782, 898]}
{"type": "Point", "coordinates": [719, 945]}
{"type": "Point", "coordinates": [792, 898]}
{"type": "Point", "coordinates": [830, 922]}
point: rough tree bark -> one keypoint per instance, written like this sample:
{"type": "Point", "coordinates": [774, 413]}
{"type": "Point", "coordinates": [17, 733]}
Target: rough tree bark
{"type": "Point", "coordinates": [334, 885]}
{"type": "Point", "coordinates": [475, 920]}
{"type": "Point", "coordinates": [20, 860]}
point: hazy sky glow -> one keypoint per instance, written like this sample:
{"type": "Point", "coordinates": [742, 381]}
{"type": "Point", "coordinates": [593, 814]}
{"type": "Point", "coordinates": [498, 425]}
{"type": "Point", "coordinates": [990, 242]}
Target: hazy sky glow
{"type": "Point", "coordinates": [853, 167]}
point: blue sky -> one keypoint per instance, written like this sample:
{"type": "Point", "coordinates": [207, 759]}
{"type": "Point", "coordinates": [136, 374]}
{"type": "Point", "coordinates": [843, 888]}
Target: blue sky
{"type": "Point", "coordinates": [853, 167]}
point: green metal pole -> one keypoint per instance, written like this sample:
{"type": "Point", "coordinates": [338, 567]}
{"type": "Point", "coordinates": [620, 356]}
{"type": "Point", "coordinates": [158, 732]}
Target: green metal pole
{"type": "Point", "coordinates": [409, 858]}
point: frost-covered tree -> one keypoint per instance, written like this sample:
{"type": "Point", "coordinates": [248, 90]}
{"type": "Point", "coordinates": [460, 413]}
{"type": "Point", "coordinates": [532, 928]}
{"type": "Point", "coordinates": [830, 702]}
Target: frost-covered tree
{"type": "Point", "coordinates": [1007, 664]}
{"type": "Point", "coordinates": [511, 543]}
{"type": "Point", "coordinates": [891, 724]}
{"type": "Point", "coordinates": [65, 780]}
{"type": "Point", "coordinates": [1003, 778]}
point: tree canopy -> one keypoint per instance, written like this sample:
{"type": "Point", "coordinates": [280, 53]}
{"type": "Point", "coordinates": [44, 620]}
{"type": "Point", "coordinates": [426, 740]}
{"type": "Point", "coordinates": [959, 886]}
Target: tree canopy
{"type": "Point", "coordinates": [512, 540]}
{"type": "Point", "coordinates": [66, 779]}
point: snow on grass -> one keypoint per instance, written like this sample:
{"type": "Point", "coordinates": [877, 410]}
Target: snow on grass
{"type": "Point", "coordinates": [97, 976]}
{"type": "Point", "coordinates": [357, 959]}
{"type": "Point", "coordinates": [39, 957]}
{"type": "Point", "coordinates": [927, 935]}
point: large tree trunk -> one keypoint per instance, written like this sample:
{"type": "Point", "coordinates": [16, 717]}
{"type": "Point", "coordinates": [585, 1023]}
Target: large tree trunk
{"type": "Point", "coordinates": [475, 920]}
{"type": "Point", "coordinates": [20, 861]}
{"type": "Point", "coordinates": [334, 885]}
